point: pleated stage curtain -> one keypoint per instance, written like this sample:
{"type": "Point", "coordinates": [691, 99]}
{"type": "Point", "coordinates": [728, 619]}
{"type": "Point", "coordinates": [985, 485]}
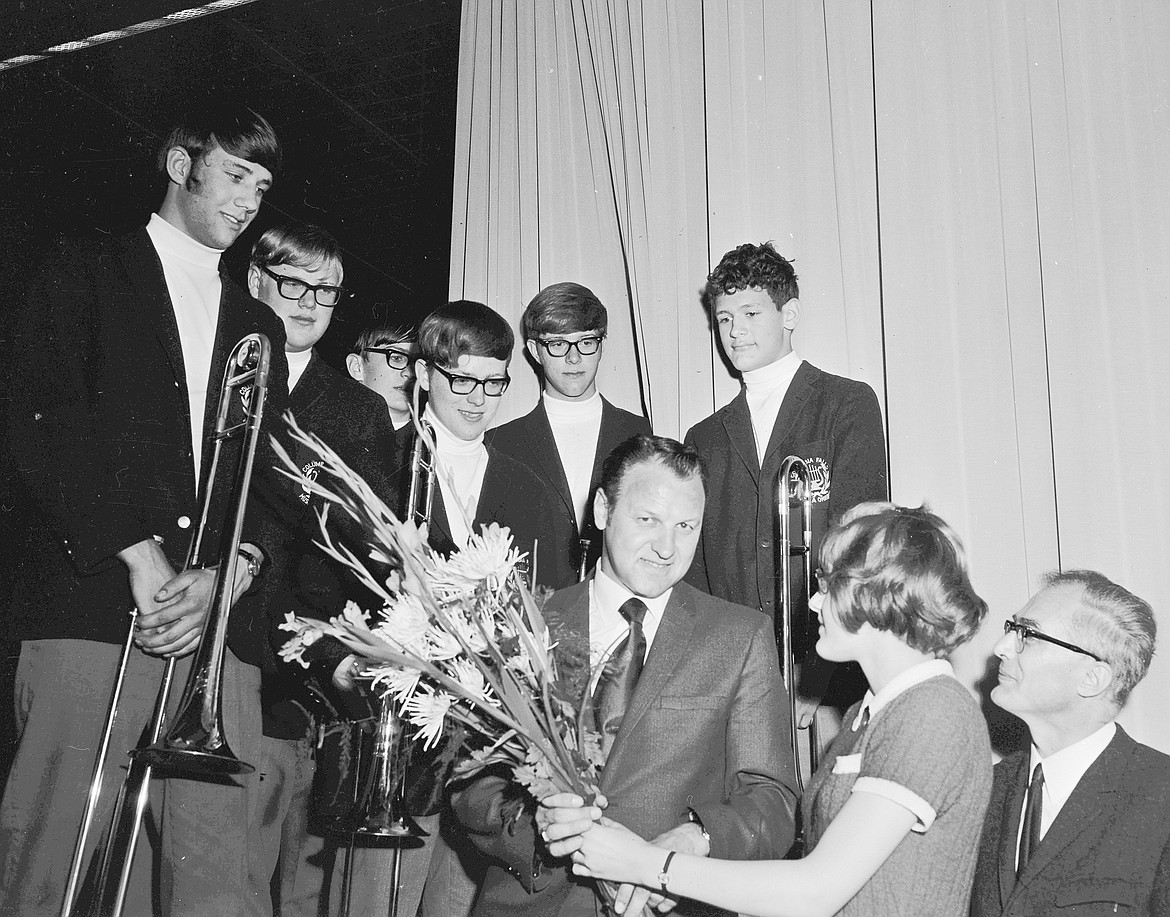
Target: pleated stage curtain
{"type": "Point", "coordinates": [975, 196]}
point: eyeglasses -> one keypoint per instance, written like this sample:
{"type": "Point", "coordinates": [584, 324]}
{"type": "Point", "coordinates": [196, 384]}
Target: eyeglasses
{"type": "Point", "coordinates": [465, 385]}
{"type": "Point", "coordinates": [559, 347]}
{"type": "Point", "coordinates": [1024, 633]}
{"type": "Point", "coordinates": [291, 288]}
{"type": "Point", "coordinates": [395, 359]}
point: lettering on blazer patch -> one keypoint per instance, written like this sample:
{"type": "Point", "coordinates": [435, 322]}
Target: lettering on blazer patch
{"type": "Point", "coordinates": [818, 478]}
{"type": "Point", "coordinates": [309, 470]}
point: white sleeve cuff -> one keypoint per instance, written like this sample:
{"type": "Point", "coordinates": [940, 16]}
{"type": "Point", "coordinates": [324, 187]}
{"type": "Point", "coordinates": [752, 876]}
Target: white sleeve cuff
{"type": "Point", "coordinates": [895, 792]}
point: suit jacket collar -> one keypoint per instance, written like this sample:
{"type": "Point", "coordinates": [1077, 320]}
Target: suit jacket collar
{"type": "Point", "coordinates": [546, 457]}
{"type": "Point", "coordinates": [667, 653]}
{"type": "Point", "coordinates": [1094, 795]}
{"type": "Point", "coordinates": [311, 387]}
{"type": "Point", "coordinates": [493, 495]}
{"type": "Point", "coordinates": [145, 270]}
{"type": "Point", "coordinates": [737, 421]}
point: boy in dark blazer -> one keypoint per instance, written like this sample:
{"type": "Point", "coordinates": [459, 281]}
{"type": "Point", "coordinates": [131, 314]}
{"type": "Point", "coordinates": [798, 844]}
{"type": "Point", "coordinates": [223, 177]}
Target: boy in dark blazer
{"type": "Point", "coordinates": [1077, 822]}
{"type": "Point", "coordinates": [464, 349]}
{"type": "Point", "coordinates": [297, 272]}
{"type": "Point", "coordinates": [786, 407]}
{"type": "Point", "coordinates": [567, 436]}
{"type": "Point", "coordinates": [117, 365]}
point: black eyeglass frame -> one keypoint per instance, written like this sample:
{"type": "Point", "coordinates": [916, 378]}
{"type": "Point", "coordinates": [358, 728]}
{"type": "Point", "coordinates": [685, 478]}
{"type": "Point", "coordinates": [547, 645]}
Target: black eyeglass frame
{"type": "Point", "coordinates": [1023, 632]}
{"type": "Point", "coordinates": [548, 346]}
{"type": "Point", "coordinates": [281, 280]}
{"type": "Point", "coordinates": [389, 350]}
{"type": "Point", "coordinates": [454, 379]}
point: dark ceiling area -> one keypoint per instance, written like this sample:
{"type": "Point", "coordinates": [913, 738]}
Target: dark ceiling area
{"type": "Point", "coordinates": [362, 94]}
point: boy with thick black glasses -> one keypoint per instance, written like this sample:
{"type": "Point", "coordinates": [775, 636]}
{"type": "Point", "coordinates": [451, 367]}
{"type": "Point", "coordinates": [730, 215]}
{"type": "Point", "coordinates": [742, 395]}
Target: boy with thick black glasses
{"type": "Point", "coordinates": [567, 436]}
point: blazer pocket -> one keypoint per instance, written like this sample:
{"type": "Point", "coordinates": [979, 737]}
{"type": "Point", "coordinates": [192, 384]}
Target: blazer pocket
{"type": "Point", "coordinates": [692, 702]}
{"type": "Point", "coordinates": [1095, 896]}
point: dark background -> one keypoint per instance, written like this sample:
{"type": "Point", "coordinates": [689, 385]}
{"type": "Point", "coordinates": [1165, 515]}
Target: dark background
{"type": "Point", "coordinates": [361, 93]}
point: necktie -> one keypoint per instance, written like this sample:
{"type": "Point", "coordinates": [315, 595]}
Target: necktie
{"type": "Point", "coordinates": [621, 677]}
{"type": "Point", "coordinates": [1033, 811]}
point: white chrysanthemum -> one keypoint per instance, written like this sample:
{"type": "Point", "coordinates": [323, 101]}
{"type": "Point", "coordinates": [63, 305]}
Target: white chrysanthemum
{"type": "Point", "coordinates": [468, 675]}
{"type": "Point", "coordinates": [400, 682]}
{"type": "Point", "coordinates": [427, 710]}
{"type": "Point", "coordinates": [404, 624]}
{"type": "Point", "coordinates": [469, 630]}
{"type": "Point", "coordinates": [489, 556]}
{"type": "Point", "coordinates": [442, 645]}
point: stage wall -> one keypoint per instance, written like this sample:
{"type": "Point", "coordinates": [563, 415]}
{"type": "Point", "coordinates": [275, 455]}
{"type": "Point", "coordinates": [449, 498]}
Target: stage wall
{"type": "Point", "coordinates": [975, 196]}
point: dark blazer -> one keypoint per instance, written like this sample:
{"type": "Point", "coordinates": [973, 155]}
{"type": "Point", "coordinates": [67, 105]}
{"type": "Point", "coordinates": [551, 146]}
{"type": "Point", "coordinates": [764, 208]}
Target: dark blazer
{"type": "Point", "coordinates": [1108, 852]}
{"type": "Point", "coordinates": [529, 440]}
{"type": "Point", "coordinates": [100, 433]}
{"type": "Point", "coordinates": [512, 495]}
{"type": "Point", "coordinates": [354, 422]}
{"type": "Point", "coordinates": [832, 423]}
{"type": "Point", "coordinates": [706, 729]}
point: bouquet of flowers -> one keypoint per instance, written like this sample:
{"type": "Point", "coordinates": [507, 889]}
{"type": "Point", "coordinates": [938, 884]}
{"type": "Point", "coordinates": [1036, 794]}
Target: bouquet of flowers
{"type": "Point", "coordinates": [458, 641]}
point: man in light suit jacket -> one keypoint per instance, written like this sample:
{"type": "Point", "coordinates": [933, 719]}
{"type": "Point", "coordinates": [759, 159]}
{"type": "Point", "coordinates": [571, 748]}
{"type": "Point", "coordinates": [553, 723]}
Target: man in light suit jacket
{"type": "Point", "coordinates": [1077, 823]}
{"type": "Point", "coordinates": [698, 761]}
{"type": "Point", "coordinates": [118, 360]}
{"type": "Point", "coordinates": [567, 436]}
{"type": "Point", "coordinates": [786, 407]}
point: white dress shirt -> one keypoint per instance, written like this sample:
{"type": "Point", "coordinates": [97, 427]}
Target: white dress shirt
{"type": "Point", "coordinates": [607, 625]}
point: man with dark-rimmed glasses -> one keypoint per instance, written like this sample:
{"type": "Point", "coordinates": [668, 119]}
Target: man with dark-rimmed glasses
{"type": "Point", "coordinates": [1078, 820]}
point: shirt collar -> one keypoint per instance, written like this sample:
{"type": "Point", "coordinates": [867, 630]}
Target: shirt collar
{"type": "Point", "coordinates": [899, 684]}
{"type": "Point", "coordinates": [609, 594]}
{"type": "Point", "coordinates": [1064, 769]}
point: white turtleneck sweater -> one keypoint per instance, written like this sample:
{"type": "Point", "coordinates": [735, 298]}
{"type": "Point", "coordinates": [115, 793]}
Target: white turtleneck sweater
{"type": "Point", "coordinates": [191, 270]}
{"type": "Point", "coordinates": [460, 468]}
{"type": "Point", "coordinates": [766, 388]}
{"type": "Point", "coordinates": [575, 427]}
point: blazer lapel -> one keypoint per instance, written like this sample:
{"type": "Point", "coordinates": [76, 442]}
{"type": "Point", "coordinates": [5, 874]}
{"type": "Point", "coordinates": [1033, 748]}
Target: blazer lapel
{"type": "Point", "coordinates": [310, 388]}
{"type": "Point", "coordinates": [1009, 822]}
{"type": "Point", "coordinates": [544, 448]}
{"type": "Point", "coordinates": [737, 423]}
{"type": "Point", "coordinates": [1093, 795]}
{"type": "Point", "coordinates": [607, 439]}
{"type": "Point", "coordinates": [146, 276]}
{"type": "Point", "coordinates": [666, 655]}
{"type": "Point", "coordinates": [790, 408]}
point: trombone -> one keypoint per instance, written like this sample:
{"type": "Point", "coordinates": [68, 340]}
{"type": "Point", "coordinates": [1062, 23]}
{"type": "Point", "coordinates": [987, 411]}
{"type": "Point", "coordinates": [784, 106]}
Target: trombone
{"type": "Point", "coordinates": [195, 743]}
{"type": "Point", "coordinates": [793, 469]}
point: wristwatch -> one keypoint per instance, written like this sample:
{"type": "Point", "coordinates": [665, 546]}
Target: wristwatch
{"type": "Point", "coordinates": [664, 876]}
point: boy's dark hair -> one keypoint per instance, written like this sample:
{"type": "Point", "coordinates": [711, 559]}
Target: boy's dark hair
{"type": "Point", "coordinates": [236, 129]}
{"type": "Point", "coordinates": [464, 328]}
{"type": "Point", "coordinates": [751, 267]}
{"type": "Point", "coordinates": [564, 308]}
